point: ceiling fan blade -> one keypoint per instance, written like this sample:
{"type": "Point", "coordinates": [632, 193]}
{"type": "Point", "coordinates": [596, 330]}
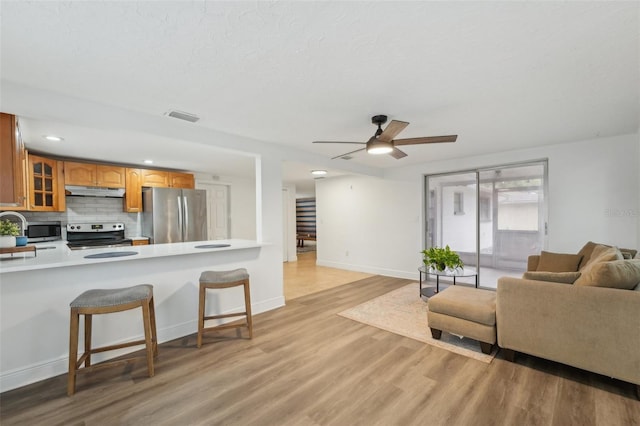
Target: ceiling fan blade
{"type": "Point", "coordinates": [359, 143]}
{"type": "Point", "coordinates": [397, 154]}
{"type": "Point", "coordinates": [426, 139]}
{"type": "Point", "coordinates": [348, 153]}
{"type": "Point", "coordinates": [392, 130]}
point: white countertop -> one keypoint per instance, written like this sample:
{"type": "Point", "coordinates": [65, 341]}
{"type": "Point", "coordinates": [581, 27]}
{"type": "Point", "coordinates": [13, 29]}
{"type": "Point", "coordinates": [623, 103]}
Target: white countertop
{"type": "Point", "coordinates": [57, 255]}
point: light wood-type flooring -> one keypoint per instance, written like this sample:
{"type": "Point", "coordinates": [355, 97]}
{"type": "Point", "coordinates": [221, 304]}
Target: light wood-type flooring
{"type": "Point", "coordinates": [308, 366]}
{"type": "Point", "coordinates": [304, 277]}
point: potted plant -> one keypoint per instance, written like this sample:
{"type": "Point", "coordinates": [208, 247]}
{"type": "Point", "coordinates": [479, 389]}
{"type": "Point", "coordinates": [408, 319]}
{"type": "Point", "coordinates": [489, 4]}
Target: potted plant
{"type": "Point", "coordinates": [440, 258]}
{"type": "Point", "coordinates": [8, 233]}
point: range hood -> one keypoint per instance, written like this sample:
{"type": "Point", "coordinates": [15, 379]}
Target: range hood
{"type": "Point", "coordinates": [93, 191]}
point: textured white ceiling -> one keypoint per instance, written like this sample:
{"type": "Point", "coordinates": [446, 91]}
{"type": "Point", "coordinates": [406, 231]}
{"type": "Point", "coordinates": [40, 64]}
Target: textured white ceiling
{"type": "Point", "coordinates": [501, 75]}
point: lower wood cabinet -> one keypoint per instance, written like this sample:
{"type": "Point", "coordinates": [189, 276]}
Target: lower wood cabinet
{"type": "Point", "coordinates": [144, 242]}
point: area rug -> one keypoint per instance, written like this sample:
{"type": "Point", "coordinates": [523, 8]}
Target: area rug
{"type": "Point", "coordinates": [402, 311]}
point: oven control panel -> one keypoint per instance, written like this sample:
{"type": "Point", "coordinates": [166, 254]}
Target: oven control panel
{"type": "Point", "coordinates": [95, 227]}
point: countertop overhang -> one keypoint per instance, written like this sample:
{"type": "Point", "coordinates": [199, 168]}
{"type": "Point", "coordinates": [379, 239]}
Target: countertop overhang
{"type": "Point", "coordinates": [57, 254]}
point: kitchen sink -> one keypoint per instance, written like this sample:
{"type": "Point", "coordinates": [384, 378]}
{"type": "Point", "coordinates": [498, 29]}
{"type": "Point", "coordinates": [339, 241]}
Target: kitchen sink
{"type": "Point", "coordinates": [110, 254]}
{"type": "Point", "coordinates": [210, 246]}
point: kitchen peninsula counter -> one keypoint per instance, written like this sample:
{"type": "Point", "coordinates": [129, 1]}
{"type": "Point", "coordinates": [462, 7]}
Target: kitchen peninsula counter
{"type": "Point", "coordinates": [35, 293]}
{"type": "Point", "coordinates": [58, 255]}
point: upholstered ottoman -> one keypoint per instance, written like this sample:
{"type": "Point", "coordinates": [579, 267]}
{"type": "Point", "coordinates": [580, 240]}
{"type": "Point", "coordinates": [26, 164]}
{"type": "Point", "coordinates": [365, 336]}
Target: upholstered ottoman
{"type": "Point", "coordinates": [465, 311]}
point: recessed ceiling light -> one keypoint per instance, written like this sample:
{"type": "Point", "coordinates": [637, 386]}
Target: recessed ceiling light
{"type": "Point", "coordinates": [148, 161]}
{"type": "Point", "coordinates": [53, 138]}
{"type": "Point", "coordinates": [318, 172]}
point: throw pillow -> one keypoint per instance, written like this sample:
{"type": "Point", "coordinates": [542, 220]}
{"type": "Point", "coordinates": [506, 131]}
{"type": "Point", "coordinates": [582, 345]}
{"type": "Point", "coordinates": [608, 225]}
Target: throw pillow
{"type": "Point", "coordinates": [558, 262]}
{"type": "Point", "coordinates": [628, 253]}
{"type": "Point", "coordinates": [586, 252]}
{"type": "Point", "coordinates": [555, 277]}
{"type": "Point", "coordinates": [601, 253]}
{"type": "Point", "coordinates": [623, 274]}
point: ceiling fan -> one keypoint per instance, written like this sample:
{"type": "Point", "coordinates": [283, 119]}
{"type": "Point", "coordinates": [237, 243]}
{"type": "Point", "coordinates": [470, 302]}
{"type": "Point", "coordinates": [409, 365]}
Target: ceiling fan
{"type": "Point", "coordinates": [383, 142]}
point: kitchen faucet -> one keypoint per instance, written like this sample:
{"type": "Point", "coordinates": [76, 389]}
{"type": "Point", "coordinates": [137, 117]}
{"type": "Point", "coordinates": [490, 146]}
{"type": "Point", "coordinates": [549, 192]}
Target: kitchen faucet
{"type": "Point", "coordinates": [19, 216]}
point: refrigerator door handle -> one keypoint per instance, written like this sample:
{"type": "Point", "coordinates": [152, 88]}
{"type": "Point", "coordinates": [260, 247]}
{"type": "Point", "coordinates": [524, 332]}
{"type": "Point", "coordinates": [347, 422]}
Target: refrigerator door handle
{"type": "Point", "coordinates": [186, 218]}
{"type": "Point", "coordinates": [180, 221]}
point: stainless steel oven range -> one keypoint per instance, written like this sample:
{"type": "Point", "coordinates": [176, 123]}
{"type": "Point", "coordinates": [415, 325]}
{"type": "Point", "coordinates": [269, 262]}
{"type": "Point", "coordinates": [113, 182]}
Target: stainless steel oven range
{"type": "Point", "coordinates": [96, 235]}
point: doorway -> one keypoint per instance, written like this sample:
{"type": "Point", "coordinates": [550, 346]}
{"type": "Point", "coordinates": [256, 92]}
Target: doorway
{"type": "Point", "coordinates": [217, 210]}
{"type": "Point", "coordinates": [494, 217]}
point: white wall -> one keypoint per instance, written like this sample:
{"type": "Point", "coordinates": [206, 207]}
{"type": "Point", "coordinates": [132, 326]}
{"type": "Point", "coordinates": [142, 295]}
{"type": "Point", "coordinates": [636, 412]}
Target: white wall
{"type": "Point", "coordinates": [242, 199]}
{"type": "Point", "coordinates": [367, 224]}
{"type": "Point", "coordinates": [593, 195]}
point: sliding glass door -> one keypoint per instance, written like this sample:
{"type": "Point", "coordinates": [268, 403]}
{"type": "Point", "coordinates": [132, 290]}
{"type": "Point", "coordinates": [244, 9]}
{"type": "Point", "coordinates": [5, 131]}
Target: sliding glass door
{"type": "Point", "coordinates": [451, 216]}
{"type": "Point", "coordinates": [494, 217]}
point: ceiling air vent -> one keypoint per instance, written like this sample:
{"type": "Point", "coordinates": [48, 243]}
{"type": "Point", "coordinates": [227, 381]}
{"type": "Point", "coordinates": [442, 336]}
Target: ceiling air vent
{"type": "Point", "coordinates": [192, 118]}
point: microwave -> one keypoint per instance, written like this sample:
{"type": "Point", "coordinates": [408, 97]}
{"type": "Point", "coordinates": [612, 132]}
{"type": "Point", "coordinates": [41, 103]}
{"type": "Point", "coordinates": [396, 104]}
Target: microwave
{"type": "Point", "coordinates": [44, 231]}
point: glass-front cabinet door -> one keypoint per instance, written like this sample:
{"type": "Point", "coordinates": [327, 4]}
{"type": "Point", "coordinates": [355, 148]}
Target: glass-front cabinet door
{"type": "Point", "coordinates": [46, 184]}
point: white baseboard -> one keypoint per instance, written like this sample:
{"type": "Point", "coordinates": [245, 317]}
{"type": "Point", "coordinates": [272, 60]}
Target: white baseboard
{"type": "Point", "coordinates": [371, 270]}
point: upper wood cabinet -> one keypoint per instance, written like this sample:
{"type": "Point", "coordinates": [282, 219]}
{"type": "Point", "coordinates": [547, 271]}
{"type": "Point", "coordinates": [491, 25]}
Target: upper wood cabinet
{"type": "Point", "coordinates": [13, 188]}
{"type": "Point", "coordinates": [46, 184]}
{"type": "Point", "coordinates": [133, 191]}
{"type": "Point", "coordinates": [166, 179]}
{"type": "Point", "coordinates": [91, 174]}
{"type": "Point", "coordinates": [159, 178]}
{"type": "Point", "coordinates": [181, 180]}
{"type": "Point", "coordinates": [137, 178]}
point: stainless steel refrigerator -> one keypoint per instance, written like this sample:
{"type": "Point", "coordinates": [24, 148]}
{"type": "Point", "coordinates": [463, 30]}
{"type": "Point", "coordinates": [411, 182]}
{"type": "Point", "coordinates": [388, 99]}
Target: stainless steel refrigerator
{"type": "Point", "coordinates": [172, 215]}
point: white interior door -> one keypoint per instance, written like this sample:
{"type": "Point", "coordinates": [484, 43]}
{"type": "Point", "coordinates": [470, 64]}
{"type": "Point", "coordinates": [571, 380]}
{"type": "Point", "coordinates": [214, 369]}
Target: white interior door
{"type": "Point", "coordinates": [217, 210]}
{"type": "Point", "coordinates": [219, 214]}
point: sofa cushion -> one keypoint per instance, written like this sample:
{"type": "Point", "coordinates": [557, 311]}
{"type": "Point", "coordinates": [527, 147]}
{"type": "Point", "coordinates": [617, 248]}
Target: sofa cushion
{"type": "Point", "coordinates": [558, 262]}
{"type": "Point", "coordinates": [556, 277]}
{"type": "Point", "coordinates": [623, 274]}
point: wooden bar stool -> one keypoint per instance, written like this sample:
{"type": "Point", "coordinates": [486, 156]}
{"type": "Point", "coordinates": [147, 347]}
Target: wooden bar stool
{"type": "Point", "coordinates": [95, 302]}
{"type": "Point", "coordinates": [218, 280]}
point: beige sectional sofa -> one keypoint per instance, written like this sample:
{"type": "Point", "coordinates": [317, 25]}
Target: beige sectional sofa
{"type": "Point", "coordinates": [588, 318]}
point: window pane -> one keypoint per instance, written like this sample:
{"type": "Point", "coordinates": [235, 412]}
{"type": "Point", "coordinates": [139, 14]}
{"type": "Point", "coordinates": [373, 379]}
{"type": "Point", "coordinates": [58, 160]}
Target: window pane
{"type": "Point", "coordinates": [38, 199]}
{"type": "Point", "coordinates": [511, 210]}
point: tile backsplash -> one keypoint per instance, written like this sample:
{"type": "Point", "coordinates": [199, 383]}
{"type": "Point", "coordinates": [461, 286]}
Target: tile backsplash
{"type": "Point", "coordinates": [92, 209]}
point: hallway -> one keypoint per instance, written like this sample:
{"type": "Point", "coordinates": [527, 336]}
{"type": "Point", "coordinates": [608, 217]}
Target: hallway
{"type": "Point", "coordinates": [304, 277]}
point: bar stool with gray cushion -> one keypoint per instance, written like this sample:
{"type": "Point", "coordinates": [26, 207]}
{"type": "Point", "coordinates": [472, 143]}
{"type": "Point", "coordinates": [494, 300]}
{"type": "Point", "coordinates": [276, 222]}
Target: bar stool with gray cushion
{"type": "Point", "coordinates": [219, 280]}
{"type": "Point", "coordinates": [95, 302]}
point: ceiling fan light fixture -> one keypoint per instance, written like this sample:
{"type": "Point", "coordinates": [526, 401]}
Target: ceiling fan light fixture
{"type": "Point", "coordinates": [376, 147]}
